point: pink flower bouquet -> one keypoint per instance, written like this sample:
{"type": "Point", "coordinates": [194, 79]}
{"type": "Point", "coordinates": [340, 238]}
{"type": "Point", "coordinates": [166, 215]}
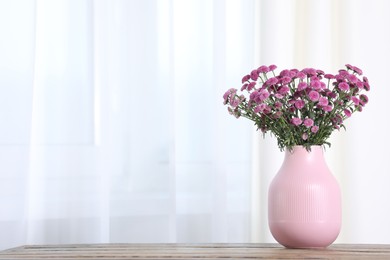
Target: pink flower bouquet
{"type": "Point", "coordinates": [299, 107]}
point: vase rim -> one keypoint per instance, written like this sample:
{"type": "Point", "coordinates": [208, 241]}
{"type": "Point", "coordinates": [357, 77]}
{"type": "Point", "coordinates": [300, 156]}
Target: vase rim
{"type": "Point", "coordinates": [302, 148]}
{"type": "Point", "coordinates": [317, 145]}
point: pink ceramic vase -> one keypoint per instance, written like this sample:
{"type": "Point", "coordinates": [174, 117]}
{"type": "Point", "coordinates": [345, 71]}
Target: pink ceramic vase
{"type": "Point", "coordinates": [304, 201]}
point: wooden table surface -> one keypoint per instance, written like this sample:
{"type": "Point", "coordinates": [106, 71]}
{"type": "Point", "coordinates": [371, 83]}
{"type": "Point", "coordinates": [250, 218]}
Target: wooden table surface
{"type": "Point", "coordinates": [194, 251]}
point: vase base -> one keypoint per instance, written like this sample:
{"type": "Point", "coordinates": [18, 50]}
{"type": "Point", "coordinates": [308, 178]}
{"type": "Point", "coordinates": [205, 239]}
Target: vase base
{"type": "Point", "coordinates": [305, 235]}
{"type": "Point", "coordinates": [307, 247]}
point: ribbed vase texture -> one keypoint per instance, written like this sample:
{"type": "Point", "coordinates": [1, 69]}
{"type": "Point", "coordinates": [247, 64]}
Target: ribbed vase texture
{"type": "Point", "coordinates": [304, 201]}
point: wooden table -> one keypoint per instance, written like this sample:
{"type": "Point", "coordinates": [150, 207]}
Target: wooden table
{"type": "Point", "coordinates": [194, 251]}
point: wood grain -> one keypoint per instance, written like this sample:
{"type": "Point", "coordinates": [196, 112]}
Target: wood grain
{"type": "Point", "coordinates": [194, 251]}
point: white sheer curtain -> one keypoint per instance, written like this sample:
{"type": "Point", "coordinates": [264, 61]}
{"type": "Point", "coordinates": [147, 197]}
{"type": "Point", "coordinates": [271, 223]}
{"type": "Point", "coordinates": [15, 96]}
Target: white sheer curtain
{"type": "Point", "coordinates": [113, 123]}
{"type": "Point", "coordinates": [113, 128]}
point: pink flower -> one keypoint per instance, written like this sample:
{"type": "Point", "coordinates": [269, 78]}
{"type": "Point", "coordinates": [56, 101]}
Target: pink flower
{"type": "Point", "coordinates": [229, 95]}
{"type": "Point", "coordinates": [254, 75]}
{"type": "Point", "coordinates": [315, 84]}
{"type": "Point", "coordinates": [344, 86]}
{"type": "Point", "coordinates": [286, 80]}
{"type": "Point", "coordinates": [267, 110]}
{"type": "Point", "coordinates": [278, 104]}
{"type": "Point", "coordinates": [246, 78]}
{"type": "Point", "coordinates": [260, 108]}
{"type": "Point", "coordinates": [234, 102]}
{"type": "Point", "coordinates": [259, 96]}
{"type": "Point", "coordinates": [331, 94]}
{"type": "Point", "coordinates": [298, 94]}
{"type": "Point", "coordinates": [283, 90]}
{"type": "Point", "coordinates": [308, 122]}
{"type": "Point", "coordinates": [272, 67]}
{"type": "Point", "coordinates": [285, 73]}
{"type": "Point", "coordinates": [328, 76]}
{"type": "Point", "coordinates": [366, 84]}
{"type": "Point", "coordinates": [309, 71]}
{"type": "Point", "coordinates": [251, 85]}
{"type": "Point", "coordinates": [302, 86]}
{"type": "Point", "coordinates": [278, 96]}
{"type": "Point", "coordinates": [355, 69]}
{"type": "Point", "coordinates": [314, 95]}
{"type": "Point", "coordinates": [327, 108]}
{"type": "Point", "coordinates": [305, 136]}
{"type": "Point", "coordinates": [277, 114]}
{"type": "Point", "coordinates": [314, 129]}
{"type": "Point", "coordinates": [323, 85]}
{"type": "Point", "coordinates": [263, 94]}
{"type": "Point", "coordinates": [347, 112]}
{"type": "Point", "coordinates": [360, 85]}
{"type": "Point", "coordinates": [296, 121]}
{"type": "Point", "coordinates": [300, 75]}
{"type": "Point", "coordinates": [293, 73]}
{"type": "Point", "coordinates": [254, 96]}
{"type": "Point", "coordinates": [263, 69]}
{"type": "Point", "coordinates": [355, 100]}
{"type": "Point", "coordinates": [343, 73]}
{"type": "Point", "coordinates": [323, 101]}
{"type": "Point", "coordinates": [299, 104]}
{"type": "Point", "coordinates": [244, 86]}
{"type": "Point", "coordinates": [291, 102]}
{"type": "Point", "coordinates": [271, 81]}
{"type": "Point", "coordinates": [337, 120]}
{"type": "Point", "coordinates": [363, 99]}
{"type": "Point", "coordinates": [314, 78]}
{"type": "Point", "coordinates": [352, 78]}
{"type": "Point", "coordinates": [257, 109]}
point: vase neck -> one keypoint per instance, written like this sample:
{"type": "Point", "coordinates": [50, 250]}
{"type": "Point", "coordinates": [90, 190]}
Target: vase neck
{"type": "Point", "coordinates": [301, 155]}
